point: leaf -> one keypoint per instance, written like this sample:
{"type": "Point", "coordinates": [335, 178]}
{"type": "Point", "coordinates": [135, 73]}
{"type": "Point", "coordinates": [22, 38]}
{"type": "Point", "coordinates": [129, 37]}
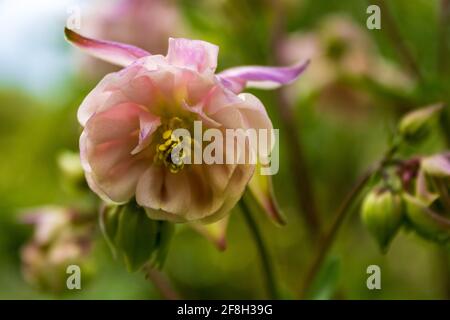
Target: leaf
{"type": "Point", "coordinates": [109, 224]}
{"type": "Point", "coordinates": [136, 236]}
{"type": "Point", "coordinates": [166, 231]}
{"type": "Point", "coordinates": [325, 283]}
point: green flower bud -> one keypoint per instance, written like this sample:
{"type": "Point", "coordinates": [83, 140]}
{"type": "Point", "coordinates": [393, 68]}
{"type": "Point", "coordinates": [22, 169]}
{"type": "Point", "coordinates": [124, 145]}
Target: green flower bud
{"type": "Point", "coordinates": [425, 221]}
{"type": "Point", "coordinates": [135, 237]}
{"type": "Point", "coordinates": [414, 126]}
{"type": "Point", "coordinates": [382, 213]}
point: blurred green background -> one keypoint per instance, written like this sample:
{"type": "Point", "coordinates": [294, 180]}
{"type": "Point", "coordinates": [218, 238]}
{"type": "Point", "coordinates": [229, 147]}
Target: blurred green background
{"type": "Point", "coordinates": [345, 110]}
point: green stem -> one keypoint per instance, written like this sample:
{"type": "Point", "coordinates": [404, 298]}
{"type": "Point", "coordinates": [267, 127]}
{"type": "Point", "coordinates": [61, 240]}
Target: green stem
{"type": "Point", "coordinates": [161, 283]}
{"type": "Point", "coordinates": [397, 40]}
{"type": "Point", "coordinates": [443, 62]}
{"type": "Point", "coordinates": [262, 250]}
{"type": "Point", "coordinates": [297, 161]}
{"type": "Point", "coordinates": [327, 240]}
{"type": "Point", "coordinates": [443, 36]}
{"type": "Point", "coordinates": [444, 263]}
{"type": "Point", "coordinates": [329, 237]}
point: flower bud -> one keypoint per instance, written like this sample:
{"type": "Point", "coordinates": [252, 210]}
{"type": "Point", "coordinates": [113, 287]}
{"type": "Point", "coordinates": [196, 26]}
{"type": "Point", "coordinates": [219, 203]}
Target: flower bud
{"type": "Point", "coordinates": [425, 221]}
{"type": "Point", "coordinates": [135, 237]}
{"type": "Point", "coordinates": [60, 239]}
{"type": "Point", "coordinates": [48, 222]}
{"type": "Point", "coordinates": [382, 213]}
{"type": "Point", "coordinates": [414, 125]}
{"type": "Point", "coordinates": [45, 268]}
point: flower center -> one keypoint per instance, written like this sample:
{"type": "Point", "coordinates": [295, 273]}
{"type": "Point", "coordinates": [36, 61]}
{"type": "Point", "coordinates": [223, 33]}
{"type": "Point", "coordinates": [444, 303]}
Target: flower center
{"type": "Point", "coordinates": [170, 151]}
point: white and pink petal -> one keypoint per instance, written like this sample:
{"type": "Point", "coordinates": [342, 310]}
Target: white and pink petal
{"type": "Point", "coordinates": [117, 53]}
{"type": "Point", "coordinates": [197, 55]}
{"type": "Point", "coordinates": [238, 78]}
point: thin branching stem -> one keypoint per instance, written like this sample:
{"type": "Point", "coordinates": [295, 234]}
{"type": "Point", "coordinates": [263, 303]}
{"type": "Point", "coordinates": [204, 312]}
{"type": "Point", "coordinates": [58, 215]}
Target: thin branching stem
{"type": "Point", "coordinates": [342, 212]}
{"type": "Point", "coordinates": [262, 250]}
{"type": "Point", "coordinates": [161, 283]}
{"type": "Point", "coordinates": [443, 37]}
{"type": "Point", "coordinates": [397, 40]}
{"type": "Point", "coordinates": [297, 160]}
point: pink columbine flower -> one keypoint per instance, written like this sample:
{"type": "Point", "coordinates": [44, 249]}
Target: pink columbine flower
{"type": "Point", "coordinates": [127, 116]}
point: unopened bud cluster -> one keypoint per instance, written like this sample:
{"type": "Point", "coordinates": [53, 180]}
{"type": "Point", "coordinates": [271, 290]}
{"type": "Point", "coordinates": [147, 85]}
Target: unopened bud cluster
{"type": "Point", "coordinates": [421, 203]}
{"type": "Point", "coordinates": [60, 239]}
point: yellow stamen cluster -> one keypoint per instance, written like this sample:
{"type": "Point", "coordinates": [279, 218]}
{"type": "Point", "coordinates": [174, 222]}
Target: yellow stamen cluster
{"type": "Point", "coordinates": [164, 151]}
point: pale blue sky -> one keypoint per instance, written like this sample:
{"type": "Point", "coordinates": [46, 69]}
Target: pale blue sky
{"type": "Point", "coordinates": [33, 53]}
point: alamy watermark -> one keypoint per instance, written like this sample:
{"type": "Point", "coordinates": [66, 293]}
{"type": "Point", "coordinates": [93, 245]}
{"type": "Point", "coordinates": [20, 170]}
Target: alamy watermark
{"type": "Point", "coordinates": [374, 280]}
{"type": "Point", "coordinates": [73, 21]}
{"type": "Point", "coordinates": [374, 20]}
{"type": "Point", "coordinates": [73, 281]}
{"type": "Point", "coordinates": [223, 146]}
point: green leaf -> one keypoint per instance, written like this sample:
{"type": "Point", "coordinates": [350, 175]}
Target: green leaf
{"type": "Point", "coordinates": [166, 231]}
{"type": "Point", "coordinates": [136, 236]}
{"type": "Point", "coordinates": [325, 283]}
{"type": "Point", "coordinates": [109, 224]}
